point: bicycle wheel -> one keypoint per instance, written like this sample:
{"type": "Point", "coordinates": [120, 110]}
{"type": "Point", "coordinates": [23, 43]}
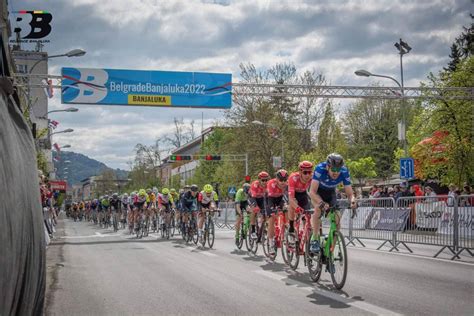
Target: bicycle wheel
{"type": "Point", "coordinates": [172, 227]}
{"type": "Point", "coordinates": [167, 231]}
{"type": "Point", "coordinates": [240, 240]}
{"type": "Point", "coordinates": [195, 235]}
{"type": "Point", "coordinates": [211, 234]}
{"type": "Point", "coordinates": [292, 253]}
{"type": "Point", "coordinates": [313, 262]}
{"type": "Point", "coordinates": [115, 222]}
{"type": "Point", "coordinates": [337, 263]}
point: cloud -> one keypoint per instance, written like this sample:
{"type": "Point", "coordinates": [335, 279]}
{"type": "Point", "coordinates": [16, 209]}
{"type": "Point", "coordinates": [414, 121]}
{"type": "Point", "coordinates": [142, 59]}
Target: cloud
{"type": "Point", "coordinates": [336, 37]}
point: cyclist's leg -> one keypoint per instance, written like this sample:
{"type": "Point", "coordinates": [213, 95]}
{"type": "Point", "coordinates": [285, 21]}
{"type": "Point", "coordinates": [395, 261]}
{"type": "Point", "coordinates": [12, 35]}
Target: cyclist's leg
{"type": "Point", "coordinates": [253, 204]}
{"type": "Point", "coordinates": [238, 218]}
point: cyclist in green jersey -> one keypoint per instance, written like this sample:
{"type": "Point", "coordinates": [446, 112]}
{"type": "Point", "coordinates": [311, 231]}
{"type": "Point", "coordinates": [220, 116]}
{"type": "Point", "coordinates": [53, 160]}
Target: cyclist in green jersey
{"type": "Point", "coordinates": [241, 204]}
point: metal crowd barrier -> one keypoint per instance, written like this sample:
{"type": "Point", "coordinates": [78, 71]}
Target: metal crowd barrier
{"type": "Point", "coordinates": [437, 221]}
{"type": "Point", "coordinates": [227, 218]}
{"type": "Point", "coordinates": [441, 221]}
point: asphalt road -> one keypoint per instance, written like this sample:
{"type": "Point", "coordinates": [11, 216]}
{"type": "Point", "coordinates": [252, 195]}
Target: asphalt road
{"type": "Point", "coordinates": [93, 271]}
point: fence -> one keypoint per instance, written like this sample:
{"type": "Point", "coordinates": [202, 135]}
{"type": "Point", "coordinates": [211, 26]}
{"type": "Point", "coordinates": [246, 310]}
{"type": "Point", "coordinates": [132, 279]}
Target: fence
{"type": "Point", "coordinates": [438, 221]}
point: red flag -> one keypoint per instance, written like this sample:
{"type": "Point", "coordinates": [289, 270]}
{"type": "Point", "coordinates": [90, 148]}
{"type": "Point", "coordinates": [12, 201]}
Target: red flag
{"type": "Point", "coordinates": [53, 124]}
{"type": "Point", "coordinates": [56, 146]}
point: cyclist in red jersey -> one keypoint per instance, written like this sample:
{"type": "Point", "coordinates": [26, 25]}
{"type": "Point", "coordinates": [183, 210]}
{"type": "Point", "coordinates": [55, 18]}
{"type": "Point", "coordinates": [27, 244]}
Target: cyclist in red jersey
{"type": "Point", "coordinates": [276, 189]}
{"type": "Point", "coordinates": [298, 184]}
{"type": "Point", "coordinates": [258, 190]}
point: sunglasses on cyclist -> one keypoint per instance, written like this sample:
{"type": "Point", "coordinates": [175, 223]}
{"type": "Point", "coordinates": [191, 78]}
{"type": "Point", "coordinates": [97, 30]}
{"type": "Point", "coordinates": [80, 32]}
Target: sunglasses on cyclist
{"type": "Point", "coordinates": [264, 180]}
{"type": "Point", "coordinates": [307, 172]}
{"type": "Point", "coordinates": [335, 169]}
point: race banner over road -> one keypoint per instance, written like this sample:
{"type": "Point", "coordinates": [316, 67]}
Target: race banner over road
{"type": "Point", "coordinates": [149, 88]}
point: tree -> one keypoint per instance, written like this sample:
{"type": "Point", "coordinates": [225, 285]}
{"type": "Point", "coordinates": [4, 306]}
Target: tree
{"type": "Point", "coordinates": [462, 48]}
{"type": "Point", "coordinates": [180, 135]}
{"type": "Point", "coordinates": [362, 169]}
{"type": "Point", "coordinates": [454, 119]}
{"type": "Point", "coordinates": [371, 131]}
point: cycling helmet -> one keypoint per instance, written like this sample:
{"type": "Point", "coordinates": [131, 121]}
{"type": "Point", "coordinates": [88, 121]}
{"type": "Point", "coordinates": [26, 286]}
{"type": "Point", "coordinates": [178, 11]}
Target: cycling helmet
{"type": "Point", "coordinates": [263, 175]}
{"type": "Point", "coordinates": [246, 187]}
{"type": "Point", "coordinates": [335, 160]}
{"type": "Point", "coordinates": [133, 194]}
{"type": "Point", "coordinates": [148, 191]}
{"type": "Point", "coordinates": [181, 191]}
{"type": "Point", "coordinates": [282, 175]}
{"type": "Point", "coordinates": [305, 165]}
{"type": "Point", "coordinates": [142, 192]}
{"type": "Point", "coordinates": [208, 188]}
{"type": "Point", "coordinates": [194, 188]}
{"type": "Point", "coordinates": [115, 196]}
{"type": "Point", "coordinates": [172, 191]}
{"type": "Point", "coordinates": [106, 196]}
{"type": "Point", "coordinates": [165, 191]}
{"type": "Point", "coordinates": [125, 195]}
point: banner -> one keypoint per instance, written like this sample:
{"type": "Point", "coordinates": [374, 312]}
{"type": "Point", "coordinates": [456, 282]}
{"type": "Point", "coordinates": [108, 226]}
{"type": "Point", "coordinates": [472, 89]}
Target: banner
{"type": "Point", "coordinates": [428, 214]}
{"type": "Point", "coordinates": [465, 215]}
{"type": "Point", "coordinates": [58, 185]}
{"type": "Point", "coordinates": [392, 219]}
{"type": "Point", "coordinates": [358, 222]}
{"type": "Point", "coordinates": [149, 88]}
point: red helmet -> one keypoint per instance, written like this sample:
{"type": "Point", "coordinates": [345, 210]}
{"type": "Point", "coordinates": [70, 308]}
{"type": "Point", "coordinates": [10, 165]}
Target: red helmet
{"type": "Point", "coordinates": [305, 165]}
{"type": "Point", "coordinates": [282, 175]}
{"type": "Point", "coordinates": [263, 175]}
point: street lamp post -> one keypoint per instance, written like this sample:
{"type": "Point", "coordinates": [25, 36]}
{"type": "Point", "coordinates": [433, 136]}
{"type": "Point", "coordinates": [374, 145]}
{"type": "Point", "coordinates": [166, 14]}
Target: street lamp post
{"type": "Point", "coordinates": [403, 48]}
{"type": "Point", "coordinates": [281, 137]}
{"type": "Point", "coordinates": [365, 73]}
{"type": "Point", "coordinates": [65, 110]}
{"type": "Point", "coordinates": [69, 130]}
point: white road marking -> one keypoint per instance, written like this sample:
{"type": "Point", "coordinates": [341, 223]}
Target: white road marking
{"type": "Point", "coordinates": [300, 285]}
{"type": "Point", "coordinates": [412, 255]}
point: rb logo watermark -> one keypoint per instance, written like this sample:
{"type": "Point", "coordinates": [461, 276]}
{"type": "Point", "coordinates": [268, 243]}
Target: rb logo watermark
{"type": "Point", "coordinates": [33, 26]}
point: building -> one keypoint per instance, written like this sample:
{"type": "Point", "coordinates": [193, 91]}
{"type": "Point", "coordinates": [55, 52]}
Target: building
{"type": "Point", "coordinates": [184, 170]}
{"type": "Point", "coordinates": [30, 65]}
{"type": "Point", "coordinates": [95, 186]}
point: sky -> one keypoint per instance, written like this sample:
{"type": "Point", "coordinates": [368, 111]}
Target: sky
{"type": "Point", "coordinates": [332, 37]}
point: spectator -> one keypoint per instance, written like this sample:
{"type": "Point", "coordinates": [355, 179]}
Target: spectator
{"type": "Point", "coordinates": [375, 193]}
{"type": "Point", "coordinates": [429, 191]}
{"type": "Point", "coordinates": [466, 200]}
{"type": "Point", "coordinates": [391, 192]}
{"type": "Point", "coordinates": [452, 194]}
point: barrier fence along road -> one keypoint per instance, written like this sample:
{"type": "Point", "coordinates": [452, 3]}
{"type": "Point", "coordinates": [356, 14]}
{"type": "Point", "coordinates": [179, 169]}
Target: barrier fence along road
{"type": "Point", "coordinates": [437, 221]}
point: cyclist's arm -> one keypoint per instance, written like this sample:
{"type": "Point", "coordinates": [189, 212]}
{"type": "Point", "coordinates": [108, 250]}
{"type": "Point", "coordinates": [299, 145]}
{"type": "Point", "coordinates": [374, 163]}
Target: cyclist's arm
{"type": "Point", "coordinates": [313, 194]}
{"type": "Point", "coordinates": [350, 195]}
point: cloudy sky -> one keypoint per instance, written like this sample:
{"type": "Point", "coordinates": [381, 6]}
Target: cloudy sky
{"type": "Point", "coordinates": [334, 37]}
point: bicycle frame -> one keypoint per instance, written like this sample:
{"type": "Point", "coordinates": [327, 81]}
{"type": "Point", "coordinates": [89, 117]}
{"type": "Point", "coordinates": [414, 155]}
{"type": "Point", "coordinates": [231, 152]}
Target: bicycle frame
{"type": "Point", "coordinates": [328, 244]}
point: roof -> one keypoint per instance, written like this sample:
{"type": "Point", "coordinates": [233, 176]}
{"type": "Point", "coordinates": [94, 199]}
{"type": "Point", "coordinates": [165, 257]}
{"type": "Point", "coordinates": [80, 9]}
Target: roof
{"type": "Point", "coordinates": [191, 143]}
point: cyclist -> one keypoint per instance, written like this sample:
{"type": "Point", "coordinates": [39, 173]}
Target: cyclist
{"type": "Point", "coordinates": [189, 203]}
{"type": "Point", "coordinates": [165, 202]}
{"type": "Point", "coordinates": [298, 183]}
{"type": "Point", "coordinates": [115, 205]}
{"type": "Point", "coordinates": [125, 207]}
{"type": "Point", "coordinates": [94, 207]}
{"type": "Point", "coordinates": [207, 200]}
{"type": "Point", "coordinates": [241, 204]}
{"type": "Point", "coordinates": [258, 189]}
{"type": "Point", "coordinates": [326, 177]}
{"type": "Point", "coordinates": [105, 203]}
{"type": "Point", "coordinates": [140, 204]}
{"type": "Point", "coordinates": [175, 196]}
{"type": "Point", "coordinates": [276, 189]}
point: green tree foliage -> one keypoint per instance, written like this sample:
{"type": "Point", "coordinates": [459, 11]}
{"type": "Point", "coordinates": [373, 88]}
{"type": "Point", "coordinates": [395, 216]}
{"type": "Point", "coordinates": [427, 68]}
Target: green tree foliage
{"type": "Point", "coordinates": [42, 162]}
{"type": "Point", "coordinates": [372, 131]}
{"type": "Point", "coordinates": [455, 118]}
{"type": "Point", "coordinates": [362, 169]}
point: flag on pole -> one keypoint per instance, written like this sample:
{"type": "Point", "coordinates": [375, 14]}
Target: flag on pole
{"type": "Point", "coordinates": [53, 124]}
{"type": "Point", "coordinates": [56, 158]}
{"type": "Point", "coordinates": [56, 146]}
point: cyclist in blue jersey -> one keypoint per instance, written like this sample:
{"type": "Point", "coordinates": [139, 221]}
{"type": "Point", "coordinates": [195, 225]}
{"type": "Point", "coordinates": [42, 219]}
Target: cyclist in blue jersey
{"type": "Point", "coordinates": [327, 175]}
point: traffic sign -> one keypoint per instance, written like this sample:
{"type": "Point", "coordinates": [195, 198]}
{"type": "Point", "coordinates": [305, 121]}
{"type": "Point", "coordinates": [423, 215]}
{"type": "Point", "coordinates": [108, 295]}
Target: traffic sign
{"type": "Point", "coordinates": [407, 168]}
{"type": "Point", "coordinates": [232, 190]}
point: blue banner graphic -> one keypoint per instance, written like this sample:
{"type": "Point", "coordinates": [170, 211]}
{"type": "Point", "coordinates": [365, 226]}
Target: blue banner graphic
{"type": "Point", "coordinates": [149, 88]}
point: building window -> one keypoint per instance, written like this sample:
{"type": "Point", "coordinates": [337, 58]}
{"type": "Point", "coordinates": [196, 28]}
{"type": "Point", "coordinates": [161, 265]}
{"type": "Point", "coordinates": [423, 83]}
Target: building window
{"type": "Point", "coordinates": [22, 69]}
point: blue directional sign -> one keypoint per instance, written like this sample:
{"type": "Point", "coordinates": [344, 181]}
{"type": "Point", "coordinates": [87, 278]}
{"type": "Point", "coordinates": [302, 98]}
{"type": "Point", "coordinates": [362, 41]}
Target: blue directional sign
{"type": "Point", "coordinates": [149, 88]}
{"type": "Point", "coordinates": [407, 168]}
{"type": "Point", "coordinates": [232, 190]}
